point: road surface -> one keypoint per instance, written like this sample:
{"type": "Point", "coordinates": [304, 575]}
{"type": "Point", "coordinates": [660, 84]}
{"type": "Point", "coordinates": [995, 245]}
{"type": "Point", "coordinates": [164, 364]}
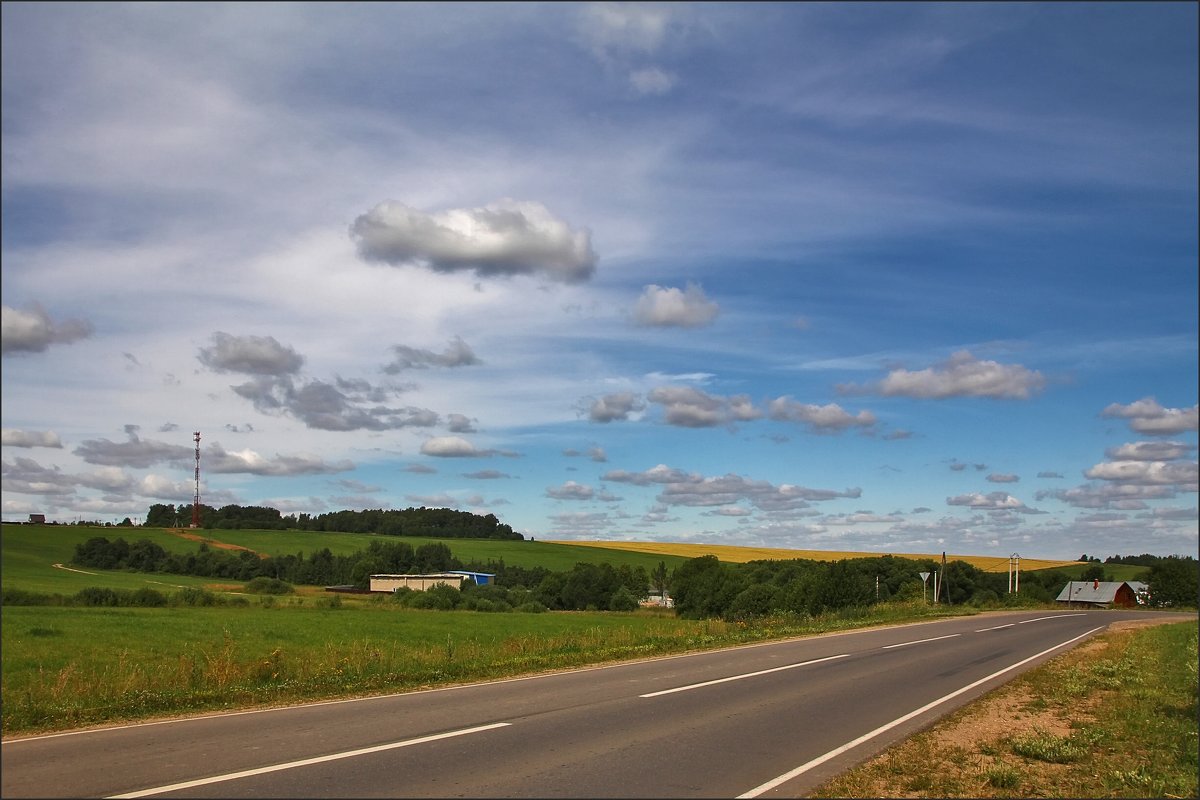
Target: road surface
{"type": "Point", "coordinates": [767, 720]}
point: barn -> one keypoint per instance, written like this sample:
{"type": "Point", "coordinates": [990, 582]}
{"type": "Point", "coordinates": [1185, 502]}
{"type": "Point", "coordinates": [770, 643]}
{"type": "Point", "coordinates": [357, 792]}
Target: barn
{"type": "Point", "coordinates": [1103, 594]}
{"type": "Point", "coordinates": [419, 583]}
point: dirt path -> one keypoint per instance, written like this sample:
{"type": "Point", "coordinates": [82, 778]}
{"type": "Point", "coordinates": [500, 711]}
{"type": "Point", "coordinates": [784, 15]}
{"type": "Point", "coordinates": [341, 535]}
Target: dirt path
{"type": "Point", "coordinates": [195, 537]}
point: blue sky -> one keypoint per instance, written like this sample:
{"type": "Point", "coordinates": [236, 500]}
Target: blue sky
{"type": "Point", "coordinates": [879, 277]}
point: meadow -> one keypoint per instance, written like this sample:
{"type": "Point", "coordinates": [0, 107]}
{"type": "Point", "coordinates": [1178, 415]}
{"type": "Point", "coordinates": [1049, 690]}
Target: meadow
{"type": "Point", "coordinates": [69, 666]}
{"type": "Point", "coordinates": [28, 553]}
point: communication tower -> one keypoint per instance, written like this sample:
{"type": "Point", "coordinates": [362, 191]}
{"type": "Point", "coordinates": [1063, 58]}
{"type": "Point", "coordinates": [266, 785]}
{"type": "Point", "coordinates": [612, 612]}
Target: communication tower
{"type": "Point", "coordinates": [196, 499]}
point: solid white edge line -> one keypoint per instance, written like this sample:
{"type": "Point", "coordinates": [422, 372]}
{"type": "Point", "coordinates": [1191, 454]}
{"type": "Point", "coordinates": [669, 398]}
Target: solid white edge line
{"type": "Point", "coordinates": [1056, 616]}
{"type": "Point", "coordinates": [174, 787]}
{"type": "Point", "coordinates": [740, 677]}
{"type": "Point", "coordinates": [921, 641]}
{"type": "Point", "coordinates": [816, 762]}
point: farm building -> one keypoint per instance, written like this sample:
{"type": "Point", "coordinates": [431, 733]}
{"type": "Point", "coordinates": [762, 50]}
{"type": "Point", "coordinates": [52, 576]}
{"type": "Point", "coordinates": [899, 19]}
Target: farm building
{"type": "Point", "coordinates": [419, 583]}
{"type": "Point", "coordinates": [37, 519]}
{"type": "Point", "coordinates": [1103, 594]}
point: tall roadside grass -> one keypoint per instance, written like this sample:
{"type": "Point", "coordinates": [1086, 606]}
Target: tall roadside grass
{"type": "Point", "coordinates": [65, 667]}
{"type": "Point", "coordinates": [1116, 717]}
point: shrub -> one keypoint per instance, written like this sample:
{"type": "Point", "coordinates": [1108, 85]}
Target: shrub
{"type": "Point", "coordinates": [622, 600]}
{"type": "Point", "coordinates": [96, 596]}
{"type": "Point", "coordinates": [145, 596]}
{"type": "Point", "coordinates": [265, 585]}
{"type": "Point", "coordinates": [192, 596]}
{"type": "Point", "coordinates": [531, 607]}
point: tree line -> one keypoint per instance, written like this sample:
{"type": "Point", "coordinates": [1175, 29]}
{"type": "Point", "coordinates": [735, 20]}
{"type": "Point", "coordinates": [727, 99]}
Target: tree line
{"type": "Point", "coordinates": [440, 523]}
{"type": "Point", "coordinates": [586, 586]}
{"type": "Point", "coordinates": [705, 587]}
{"type": "Point", "coordinates": [701, 587]}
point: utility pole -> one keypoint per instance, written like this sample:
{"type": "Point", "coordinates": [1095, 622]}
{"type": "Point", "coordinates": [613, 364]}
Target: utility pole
{"type": "Point", "coordinates": [1014, 573]}
{"type": "Point", "coordinates": [196, 497]}
{"type": "Point", "coordinates": [942, 582]}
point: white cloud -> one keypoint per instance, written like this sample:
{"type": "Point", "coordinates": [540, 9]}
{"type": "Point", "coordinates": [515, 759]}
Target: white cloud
{"type": "Point", "coordinates": [570, 491]}
{"type": "Point", "coordinates": [992, 500]}
{"type": "Point", "coordinates": [456, 447]}
{"type": "Point", "coordinates": [252, 355]}
{"type": "Point", "coordinates": [32, 330]}
{"type": "Point", "coordinates": [508, 237]}
{"type": "Point", "coordinates": [614, 407]}
{"type": "Point", "coordinates": [661, 306]}
{"type": "Point", "coordinates": [962, 375]}
{"type": "Point", "coordinates": [820, 419]}
{"type": "Point", "coordinates": [1003, 477]}
{"type": "Point", "coordinates": [1150, 451]}
{"type": "Point", "coordinates": [1146, 473]}
{"type": "Point", "coordinates": [457, 354]}
{"type": "Point", "coordinates": [689, 407]}
{"type": "Point", "coordinates": [1147, 416]}
{"type": "Point", "coordinates": [11, 437]}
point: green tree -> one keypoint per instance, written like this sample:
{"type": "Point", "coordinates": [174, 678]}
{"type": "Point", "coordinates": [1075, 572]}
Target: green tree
{"type": "Point", "coordinates": [658, 578]}
{"type": "Point", "coordinates": [1173, 582]}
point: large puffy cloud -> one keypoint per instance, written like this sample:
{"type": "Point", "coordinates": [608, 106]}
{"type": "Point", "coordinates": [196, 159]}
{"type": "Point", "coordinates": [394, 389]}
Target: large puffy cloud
{"type": "Point", "coordinates": [505, 238]}
{"type": "Point", "coordinates": [1147, 416]}
{"type": "Point", "coordinates": [12, 437]}
{"type": "Point", "coordinates": [661, 306]}
{"type": "Point", "coordinates": [32, 330]}
{"type": "Point", "coordinates": [962, 375]}
{"type": "Point", "coordinates": [820, 419]}
{"type": "Point", "coordinates": [252, 355]}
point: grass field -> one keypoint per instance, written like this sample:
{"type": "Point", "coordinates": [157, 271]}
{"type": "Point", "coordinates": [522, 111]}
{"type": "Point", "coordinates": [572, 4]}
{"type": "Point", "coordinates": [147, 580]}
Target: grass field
{"type": "Point", "coordinates": [64, 667]}
{"type": "Point", "coordinates": [28, 553]}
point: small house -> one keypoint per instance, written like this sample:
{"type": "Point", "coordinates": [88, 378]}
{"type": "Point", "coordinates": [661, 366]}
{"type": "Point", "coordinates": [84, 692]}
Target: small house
{"type": "Point", "coordinates": [1103, 594]}
{"type": "Point", "coordinates": [37, 519]}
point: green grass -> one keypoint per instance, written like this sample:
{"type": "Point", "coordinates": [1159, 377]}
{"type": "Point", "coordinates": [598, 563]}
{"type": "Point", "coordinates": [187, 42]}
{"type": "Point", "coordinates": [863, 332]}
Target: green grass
{"type": "Point", "coordinates": [27, 553]}
{"type": "Point", "coordinates": [63, 667]}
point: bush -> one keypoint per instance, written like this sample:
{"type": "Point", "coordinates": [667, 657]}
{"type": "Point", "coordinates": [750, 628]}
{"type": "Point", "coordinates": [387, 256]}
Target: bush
{"type": "Point", "coordinates": [531, 607]}
{"type": "Point", "coordinates": [20, 597]}
{"type": "Point", "coordinates": [192, 596]}
{"type": "Point", "coordinates": [96, 596]}
{"type": "Point", "coordinates": [623, 600]}
{"type": "Point", "coordinates": [265, 585]}
{"type": "Point", "coordinates": [150, 598]}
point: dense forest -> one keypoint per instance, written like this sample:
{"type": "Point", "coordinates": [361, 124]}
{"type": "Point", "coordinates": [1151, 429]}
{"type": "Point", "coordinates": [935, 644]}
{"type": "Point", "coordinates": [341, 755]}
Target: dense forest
{"type": "Point", "coordinates": [442, 523]}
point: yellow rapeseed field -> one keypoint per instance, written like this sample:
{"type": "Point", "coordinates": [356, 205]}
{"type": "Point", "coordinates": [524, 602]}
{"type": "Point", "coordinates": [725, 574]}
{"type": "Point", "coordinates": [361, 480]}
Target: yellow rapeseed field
{"type": "Point", "coordinates": [738, 555]}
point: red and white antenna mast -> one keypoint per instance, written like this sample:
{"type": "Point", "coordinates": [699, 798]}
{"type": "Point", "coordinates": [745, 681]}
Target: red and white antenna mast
{"type": "Point", "coordinates": [196, 499]}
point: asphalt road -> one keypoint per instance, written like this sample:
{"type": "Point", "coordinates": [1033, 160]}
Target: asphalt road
{"type": "Point", "coordinates": [769, 720]}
